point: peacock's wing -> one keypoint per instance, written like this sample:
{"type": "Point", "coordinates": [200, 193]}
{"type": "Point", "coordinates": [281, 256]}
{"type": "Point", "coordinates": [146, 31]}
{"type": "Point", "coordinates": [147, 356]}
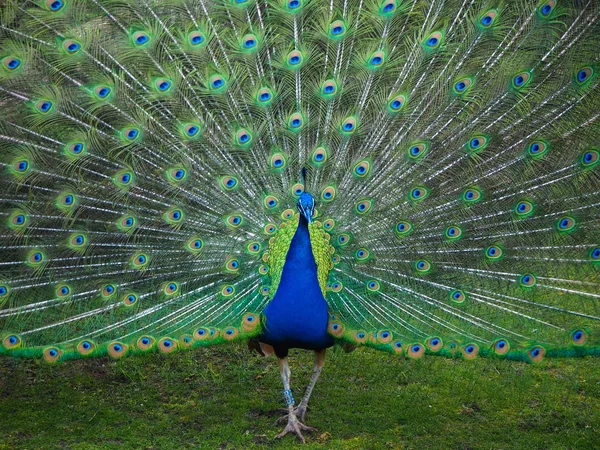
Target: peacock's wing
{"type": "Point", "coordinates": [151, 152]}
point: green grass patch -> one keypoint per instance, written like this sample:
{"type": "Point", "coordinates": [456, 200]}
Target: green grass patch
{"type": "Point", "coordinates": [229, 398]}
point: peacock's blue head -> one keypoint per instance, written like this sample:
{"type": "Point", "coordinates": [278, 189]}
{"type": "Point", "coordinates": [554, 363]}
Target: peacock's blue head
{"type": "Point", "coordinates": [306, 206]}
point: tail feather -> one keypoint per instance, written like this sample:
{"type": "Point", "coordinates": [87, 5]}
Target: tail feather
{"type": "Point", "coordinates": [152, 151]}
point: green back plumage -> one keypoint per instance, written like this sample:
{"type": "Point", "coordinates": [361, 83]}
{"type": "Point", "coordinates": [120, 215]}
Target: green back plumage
{"type": "Point", "coordinates": [151, 150]}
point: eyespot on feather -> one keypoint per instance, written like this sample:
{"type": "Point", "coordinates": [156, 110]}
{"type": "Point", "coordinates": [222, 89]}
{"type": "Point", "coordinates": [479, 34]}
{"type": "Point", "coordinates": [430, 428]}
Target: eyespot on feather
{"type": "Point", "coordinates": [336, 328]}
{"type": "Point", "coordinates": [44, 106]}
{"type": "Point", "coordinates": [141, 39]}
{"type": "Point", "coordinates": [201, 334]}
{"type": "Point", "coordinates": [453, 232]}
{"type": "Point", "coordinates": [130, 299]}
{"type": "Point", "coordinates": [108, 291]}
{"type": "Point", "coordinates": [384, 336]}
{"type": "Point", "coordinates": [527, 280]}
{"type": "Point", "coordinates": [328, 194]}
{"type": "Point", "coordinates": [230, 333]}
{"type": "Point", "coordinates": [487, 19]}
{"type": "Point", "coordinates": [470, 351]}
{"type": "Point", "coordinates": [418, 194]}
{"type": "Point", "coordinates": [126, 223]}
{"type": "Point", "coordinates": [11, 63]}
{"type": "Point", "coordinates": [270, 202]}
{"type": "Point", "coordinates": [360, 336]}
{"type": "Point", "coordinates": [433, 41]}
{"type": "Point", "coordinates": [423, 266]}
{"type": "Point", "coordinates": [336, 286]}
{"type": "Point", "coordinates": [174, 216]}
{"type": "Point", "coordinates": [376, 60]}
{"type": "Point", "coordinates": [337, 29]}
{"type": "Point", "coordinates": [362, 168]}
{"type": "Point", "coordinates": [139, 261]}
{"type": "Point", "coordinates": [363, 207]}
{"type": "Point", "coordinates": [130, 134]}
{"type": "Point", "coordinates": [243, 137]}
{"type": "Point", "coordinates": [521, 80]}
{"type": "Point", "coordinates": [55, 5]}
{"type": "Point", "coordinates": [36, 258]}
{"type": "Point", "coordinates": [77, 241]}
{"type": "Point", "coordinates": [217, 83]}
{"type": "Point", "coordinates": [67, 201]}
{"type": "Point", "coordinates": [167, 345]}
{"type": "Point", "coordinates": [546, 8]}
{"type": "Point", "coordinates": [434, 344]}
{"type": "Point", "coordinates": [403, 228]}
{"type": "Point", "coordinates": [415, 351]}
{"type": "Point", "coordinates": [86, 347]}
{"type": "Point", "coordinates": [52, 354]}
{"type": "Point", "coordinates": [579, 337]}
{"type": "Point", "coordinates": [270, 228]}
{"type": "Point", "coordinates": [523, 209]}
{"type": "Point", "coordinates": [232, 265]}
{"type": "Point", "coordinates": [329, 224]}
{"type": "Point", "coordinates": [297, 190]}
{"type": "Point", "coordinates": [249, 43]}
{"type": "Point", "coordinates": [462, 85]}
{"type": "Point", "coordinates": [278, 161]}
{"type": "Point", "coordinates": [185, 341]}
{"type": "Point", "coordinates": [123, 179]}
{"type": "Point", "coordinates": [397, 103]}
{"type": "Point", "coordinates": [565, 224]}
{"type": "Point", "coordinates": [501, 347]}
{"type": "Point", "coordinates": [537, 149]}
{"type": "Point", "coordinates": [457, 296]}
{"type": "Point", "coordinates": [229, 183]}
{"type": "Point", "coordinates": [234, 220]}
{"type": "Point", "coordinates": [476, 144]}
{"type": "Point", "coordinates": [250, 321]}
{"type": "Point", "coordinates": [264, 96]}
{"type": "Point", "coordinates": [265, 290]}
{"type": "Point", "coordinates": [70, 47]}
{"type": "Point", "coordinates": [348, 126]}
{"type": "Point", "coordinates": [536, 354]}
{"type": "Point", "coordinates": [117, 349]}
{"type": "Point", "coordinates": [590, 159]}
{"type": "Point", "coordinates": [584, 75]}
{"type": "Point", "coordinates": [170, 288]}
{"type": "Point", "coordinates": [295, 59]}
{"type": "Point", "coordinates": [397, 347]}
{"type": "Point", "coordinates": [145, 343]}
{"type": "Point", "coordinates": [196, 39]}
{"type": "Point", "coordinates": [471, 195]}
{"type": "Point", "coordinates": [63, 291]}
{"type": "Point", "coordinates": [417, 150]}
{"type": "Point", "coordinates": [387, 7]}
{"type": "Point", "coordinates": [493, 252]}
{"type": "Point", "coordinates": [362, 255]}
{"type": "Point", "coordinates": [12, 341]}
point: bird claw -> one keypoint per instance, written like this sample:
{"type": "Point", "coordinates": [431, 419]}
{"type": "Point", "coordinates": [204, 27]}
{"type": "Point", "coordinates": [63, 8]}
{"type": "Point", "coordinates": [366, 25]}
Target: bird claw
{"type": "Point", "coordinates": [300, 411]}
{"type": "Point", "coordinates": [296, 427]}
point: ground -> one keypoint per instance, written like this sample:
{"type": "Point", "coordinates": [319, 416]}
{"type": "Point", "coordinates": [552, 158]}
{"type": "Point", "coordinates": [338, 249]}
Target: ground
{"type": "Point", "coordinates": [228, 398]}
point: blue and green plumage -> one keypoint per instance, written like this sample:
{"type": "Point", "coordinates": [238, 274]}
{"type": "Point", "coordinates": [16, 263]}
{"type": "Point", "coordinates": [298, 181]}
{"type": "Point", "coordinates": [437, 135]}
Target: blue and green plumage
{"type": "Point", "coordinates": [151, 153]}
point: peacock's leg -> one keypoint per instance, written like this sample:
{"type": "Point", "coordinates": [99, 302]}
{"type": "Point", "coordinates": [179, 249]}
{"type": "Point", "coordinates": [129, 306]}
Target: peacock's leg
{"type": "Point", "coordinates": [293, 425]}
{"type": "Point", "coordinates": [317, 368]}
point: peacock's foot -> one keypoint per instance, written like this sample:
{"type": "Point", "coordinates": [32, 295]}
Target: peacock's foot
{"type": "Point", "coordinates": [296, 427]}
{"type": "Point", "coordinates": [300, 411]}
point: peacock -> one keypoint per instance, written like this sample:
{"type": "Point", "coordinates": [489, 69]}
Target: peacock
{"type": "Point", "coordinates": [420, 177]}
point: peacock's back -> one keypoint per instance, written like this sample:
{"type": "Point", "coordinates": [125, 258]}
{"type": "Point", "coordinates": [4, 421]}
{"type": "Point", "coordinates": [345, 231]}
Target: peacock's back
{"type": "Point", "coordinates": [151, 152]}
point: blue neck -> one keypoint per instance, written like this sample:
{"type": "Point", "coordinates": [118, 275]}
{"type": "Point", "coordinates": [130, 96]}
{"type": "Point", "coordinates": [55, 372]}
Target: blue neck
{"type": "Point", "coordinates": [297, 316]}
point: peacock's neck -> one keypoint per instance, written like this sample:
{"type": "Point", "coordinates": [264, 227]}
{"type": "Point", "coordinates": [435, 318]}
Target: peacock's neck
{"type": "Point", "coordinates": [297, 316]}
{"type": "Point", "coordinates": [300, 256]}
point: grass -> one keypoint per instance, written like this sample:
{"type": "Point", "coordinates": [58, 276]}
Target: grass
{"type": "Point", "coordinates": [228, 398]}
